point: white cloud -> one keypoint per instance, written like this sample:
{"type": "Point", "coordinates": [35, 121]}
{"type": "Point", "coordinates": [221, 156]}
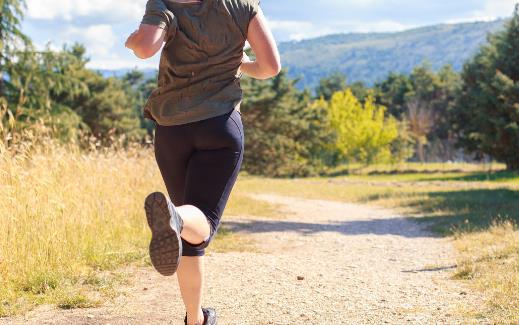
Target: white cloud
{"type": "Point", "coordinates": [98, 39]}
{"type": "Point", "coordinates": [289, 24]}
{"type": "Point", "coordinates": [298, 30]}
{"type": "Point", "coordinates": [70, 9]}
{"type": "Point", "coordinates": [492, 10]}
{"type": "Point", "coordinates": [118, 63]}
{"type": "Point", "coordinates": [499, 8]}
{"type": "Point", "coordinates": [374, 26]}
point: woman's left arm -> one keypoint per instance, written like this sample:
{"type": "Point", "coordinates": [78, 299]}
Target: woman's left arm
{"type": "Point", "coordinates": [148, 39]}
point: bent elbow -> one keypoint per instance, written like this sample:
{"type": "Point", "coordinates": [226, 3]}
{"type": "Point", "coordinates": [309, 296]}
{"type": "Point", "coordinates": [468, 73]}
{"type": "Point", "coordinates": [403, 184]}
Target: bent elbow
{"type": "Point", "coordinates": [276, 68]}
{"type": "Point", "coordinates": [144, 52]}
{"type": "Point", "coordinates": [273, 70]}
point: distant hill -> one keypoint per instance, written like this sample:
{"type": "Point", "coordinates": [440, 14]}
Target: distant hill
{"type": "Point", "coordinates": [369, 57]}
{"type": "Point", "coordinates": [148, 73]}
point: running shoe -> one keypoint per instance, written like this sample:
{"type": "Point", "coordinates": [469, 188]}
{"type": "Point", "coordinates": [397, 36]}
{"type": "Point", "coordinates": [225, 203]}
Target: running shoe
{"type": "Point", "coordinates": [166, 225]}
{"type": "Point", "coordinates": [209, 317]}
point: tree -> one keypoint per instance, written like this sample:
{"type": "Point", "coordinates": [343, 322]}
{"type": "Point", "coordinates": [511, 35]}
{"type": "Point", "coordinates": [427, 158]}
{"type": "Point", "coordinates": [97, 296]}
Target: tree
{"type": "Point", "coordinates": [421, 121]}
{"type": "Point", "coordinates": [35, 80]}
{"type": "Point", "coordinates": [285, 134]}
{"type": "Point", "coordinates": [392, 93]}
{"type": "Point", "coordinates": [106, 107]}
{"type": "Point", "coordinates": [402, 148]}
{"type": "Point", "coordinates": [434, 93]}
{"type": "Point", "coordinates": [138, 89]}
{"type": "Point", "coordinates": [10, 34]}
{"type": "Point", "coordinates": [486, 115]}
{"type": "Point", "coordinates": [360, 91]}
{"type": "Point", "coordinates": [330, 85]}
{"type": "Point", "coordinates": [54, 88]}
{"type": "Point", "coordinates": [364, 132]}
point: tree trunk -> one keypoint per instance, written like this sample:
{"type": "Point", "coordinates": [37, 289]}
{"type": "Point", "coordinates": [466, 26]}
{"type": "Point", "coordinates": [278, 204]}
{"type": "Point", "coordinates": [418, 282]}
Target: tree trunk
{"type": "Point", "coordinates": [420, 151]}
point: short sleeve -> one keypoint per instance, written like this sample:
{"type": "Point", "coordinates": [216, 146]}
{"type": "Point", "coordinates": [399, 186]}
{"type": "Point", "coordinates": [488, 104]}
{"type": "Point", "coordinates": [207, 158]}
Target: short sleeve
{"type": "Point", "coordinates": [254, 8]}
{"type": "Point", "coordinates": [157, 14]}
{"type": "Point", "coordinates": [245, 11]}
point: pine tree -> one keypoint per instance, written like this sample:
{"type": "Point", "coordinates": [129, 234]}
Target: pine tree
{"type": "Point", "coordinates": [392, 93]}
{"type": "Point", "coordinates": [11, 15]}
{"type": "Point", "coordinates": [486, 115]}
{"type": "Point", "coordinates": [330, 85]}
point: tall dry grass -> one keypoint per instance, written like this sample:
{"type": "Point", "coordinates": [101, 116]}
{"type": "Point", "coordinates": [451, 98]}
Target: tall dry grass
{"type": "Point", "coordinates": [65, 213]}
{"type": "Point", "coordinates": [70, 216]}
{"type": "Point", "coordinates": [489, 261]}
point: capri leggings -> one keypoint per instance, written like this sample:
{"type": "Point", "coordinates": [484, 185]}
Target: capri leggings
{"type": "Point", "coordinates": [199, 163]}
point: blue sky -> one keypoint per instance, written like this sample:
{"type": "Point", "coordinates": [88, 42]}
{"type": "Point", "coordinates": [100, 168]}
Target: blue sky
{"type": "Point", "coordinates": [102, 25]}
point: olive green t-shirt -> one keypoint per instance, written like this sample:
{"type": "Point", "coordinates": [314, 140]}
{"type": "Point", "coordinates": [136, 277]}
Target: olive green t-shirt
{"type": "Point", "coordinates": [199, 62]}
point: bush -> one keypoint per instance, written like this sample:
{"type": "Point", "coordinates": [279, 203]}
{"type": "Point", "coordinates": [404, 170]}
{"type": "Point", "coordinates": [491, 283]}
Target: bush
{"type": "Point", "coordinates": [364, 132]}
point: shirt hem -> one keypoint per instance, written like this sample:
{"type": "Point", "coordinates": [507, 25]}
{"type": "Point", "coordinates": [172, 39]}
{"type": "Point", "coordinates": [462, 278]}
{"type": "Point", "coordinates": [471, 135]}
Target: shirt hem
{"type": "Point", "coordinates": [176, 120]}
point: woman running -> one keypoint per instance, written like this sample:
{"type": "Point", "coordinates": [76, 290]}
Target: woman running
{"type": "Point", "coordinates": [199, 132]}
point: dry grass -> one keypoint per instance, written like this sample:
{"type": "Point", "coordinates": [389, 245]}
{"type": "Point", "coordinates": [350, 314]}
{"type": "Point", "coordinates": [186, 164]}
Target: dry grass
{"type": "Point", "coordinates": [66, 215]}
{"type": "Point", "coordinates": [490, 261]}
{"type": "Point", "coordinates": [415, 168]}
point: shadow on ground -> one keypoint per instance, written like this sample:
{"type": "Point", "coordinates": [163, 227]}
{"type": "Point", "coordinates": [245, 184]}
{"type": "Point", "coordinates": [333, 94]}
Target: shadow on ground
{"type": "Point", "coordinates": [501, 176]}
{"type": "Point", "coordinates": [442, 213]}
{"type": "Point", "coordinates": [432, 269]}
{"type": "Point", "coordinates": [470, 210]}
{"type": "Point", "coordinates": [391, 226]}
{"type": "Point", "coordinates": [465, 210]}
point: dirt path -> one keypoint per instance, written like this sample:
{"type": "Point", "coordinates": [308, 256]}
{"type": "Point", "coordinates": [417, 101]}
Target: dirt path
{"type": "Point", "coordinates": [326, 263]}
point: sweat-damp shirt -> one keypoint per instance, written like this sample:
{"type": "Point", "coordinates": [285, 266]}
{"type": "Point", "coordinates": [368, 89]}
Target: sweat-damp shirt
{"type": "Point", "coordinates": [201, 56]}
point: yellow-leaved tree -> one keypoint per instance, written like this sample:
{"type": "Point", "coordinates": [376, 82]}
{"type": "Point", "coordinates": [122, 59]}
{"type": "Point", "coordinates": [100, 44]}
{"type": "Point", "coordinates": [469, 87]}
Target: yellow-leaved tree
{"type": "Point", "coordinates": [363, 131]}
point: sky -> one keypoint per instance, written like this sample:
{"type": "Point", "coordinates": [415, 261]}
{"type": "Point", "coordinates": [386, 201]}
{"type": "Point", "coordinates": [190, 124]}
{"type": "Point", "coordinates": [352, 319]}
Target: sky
{"type": "Point", "coordinates": [103, 25]}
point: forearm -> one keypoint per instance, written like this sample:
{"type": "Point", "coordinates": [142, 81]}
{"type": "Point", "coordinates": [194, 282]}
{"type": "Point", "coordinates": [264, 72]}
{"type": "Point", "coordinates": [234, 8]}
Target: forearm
{"type": "Point", "coordinates": [155, 24]}
{"type": "Point", "coordinates": [146, 41]}
{"type": "Point", "coordinates": [134, 43]}
{"type": "Point", "coordinates": [256, 70]}
{"type": "Point", "coordinates": [131, 42]}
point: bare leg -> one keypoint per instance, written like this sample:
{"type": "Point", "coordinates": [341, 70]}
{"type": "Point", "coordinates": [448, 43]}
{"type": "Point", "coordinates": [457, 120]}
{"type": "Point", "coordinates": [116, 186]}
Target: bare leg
{"type": "Point", "coordinates": [190, 275]}
{"type": "Point", "coordinates": [190, 272]}
{"type": "Point", "coordinates": [196, 227]}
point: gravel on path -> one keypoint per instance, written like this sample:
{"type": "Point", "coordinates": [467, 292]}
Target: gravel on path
{"type": "Point", "coordinates": [325, 263]}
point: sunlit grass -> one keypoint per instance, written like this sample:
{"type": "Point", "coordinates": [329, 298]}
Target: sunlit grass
{"type": "Point", "coordinates": [490, 262]}
{"type": "Point", "coordinates": [228, 241]}
{"type": "Point", "coordinates": [66, 214]}
{"type": "Point", "coordinates": [416, 168]}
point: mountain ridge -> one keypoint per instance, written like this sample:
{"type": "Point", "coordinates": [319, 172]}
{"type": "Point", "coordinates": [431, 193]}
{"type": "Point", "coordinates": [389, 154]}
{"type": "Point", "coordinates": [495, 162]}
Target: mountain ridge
{"type": "Point", "coordinates": [370, 57]}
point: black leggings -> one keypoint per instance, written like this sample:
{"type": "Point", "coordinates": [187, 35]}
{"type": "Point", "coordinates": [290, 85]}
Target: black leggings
{"type": "Point", "coordinates": [199, 163]}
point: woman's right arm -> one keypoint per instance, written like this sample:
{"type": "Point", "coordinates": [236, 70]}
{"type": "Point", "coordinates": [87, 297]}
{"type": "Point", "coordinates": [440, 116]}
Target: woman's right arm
{"type": "Point", "coordinates": [268, 62]}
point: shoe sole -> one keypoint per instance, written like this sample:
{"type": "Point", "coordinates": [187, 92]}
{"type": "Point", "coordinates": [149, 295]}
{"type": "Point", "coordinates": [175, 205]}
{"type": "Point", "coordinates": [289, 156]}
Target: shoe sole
{"type": "Point", "coordinates": [165, 242]}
